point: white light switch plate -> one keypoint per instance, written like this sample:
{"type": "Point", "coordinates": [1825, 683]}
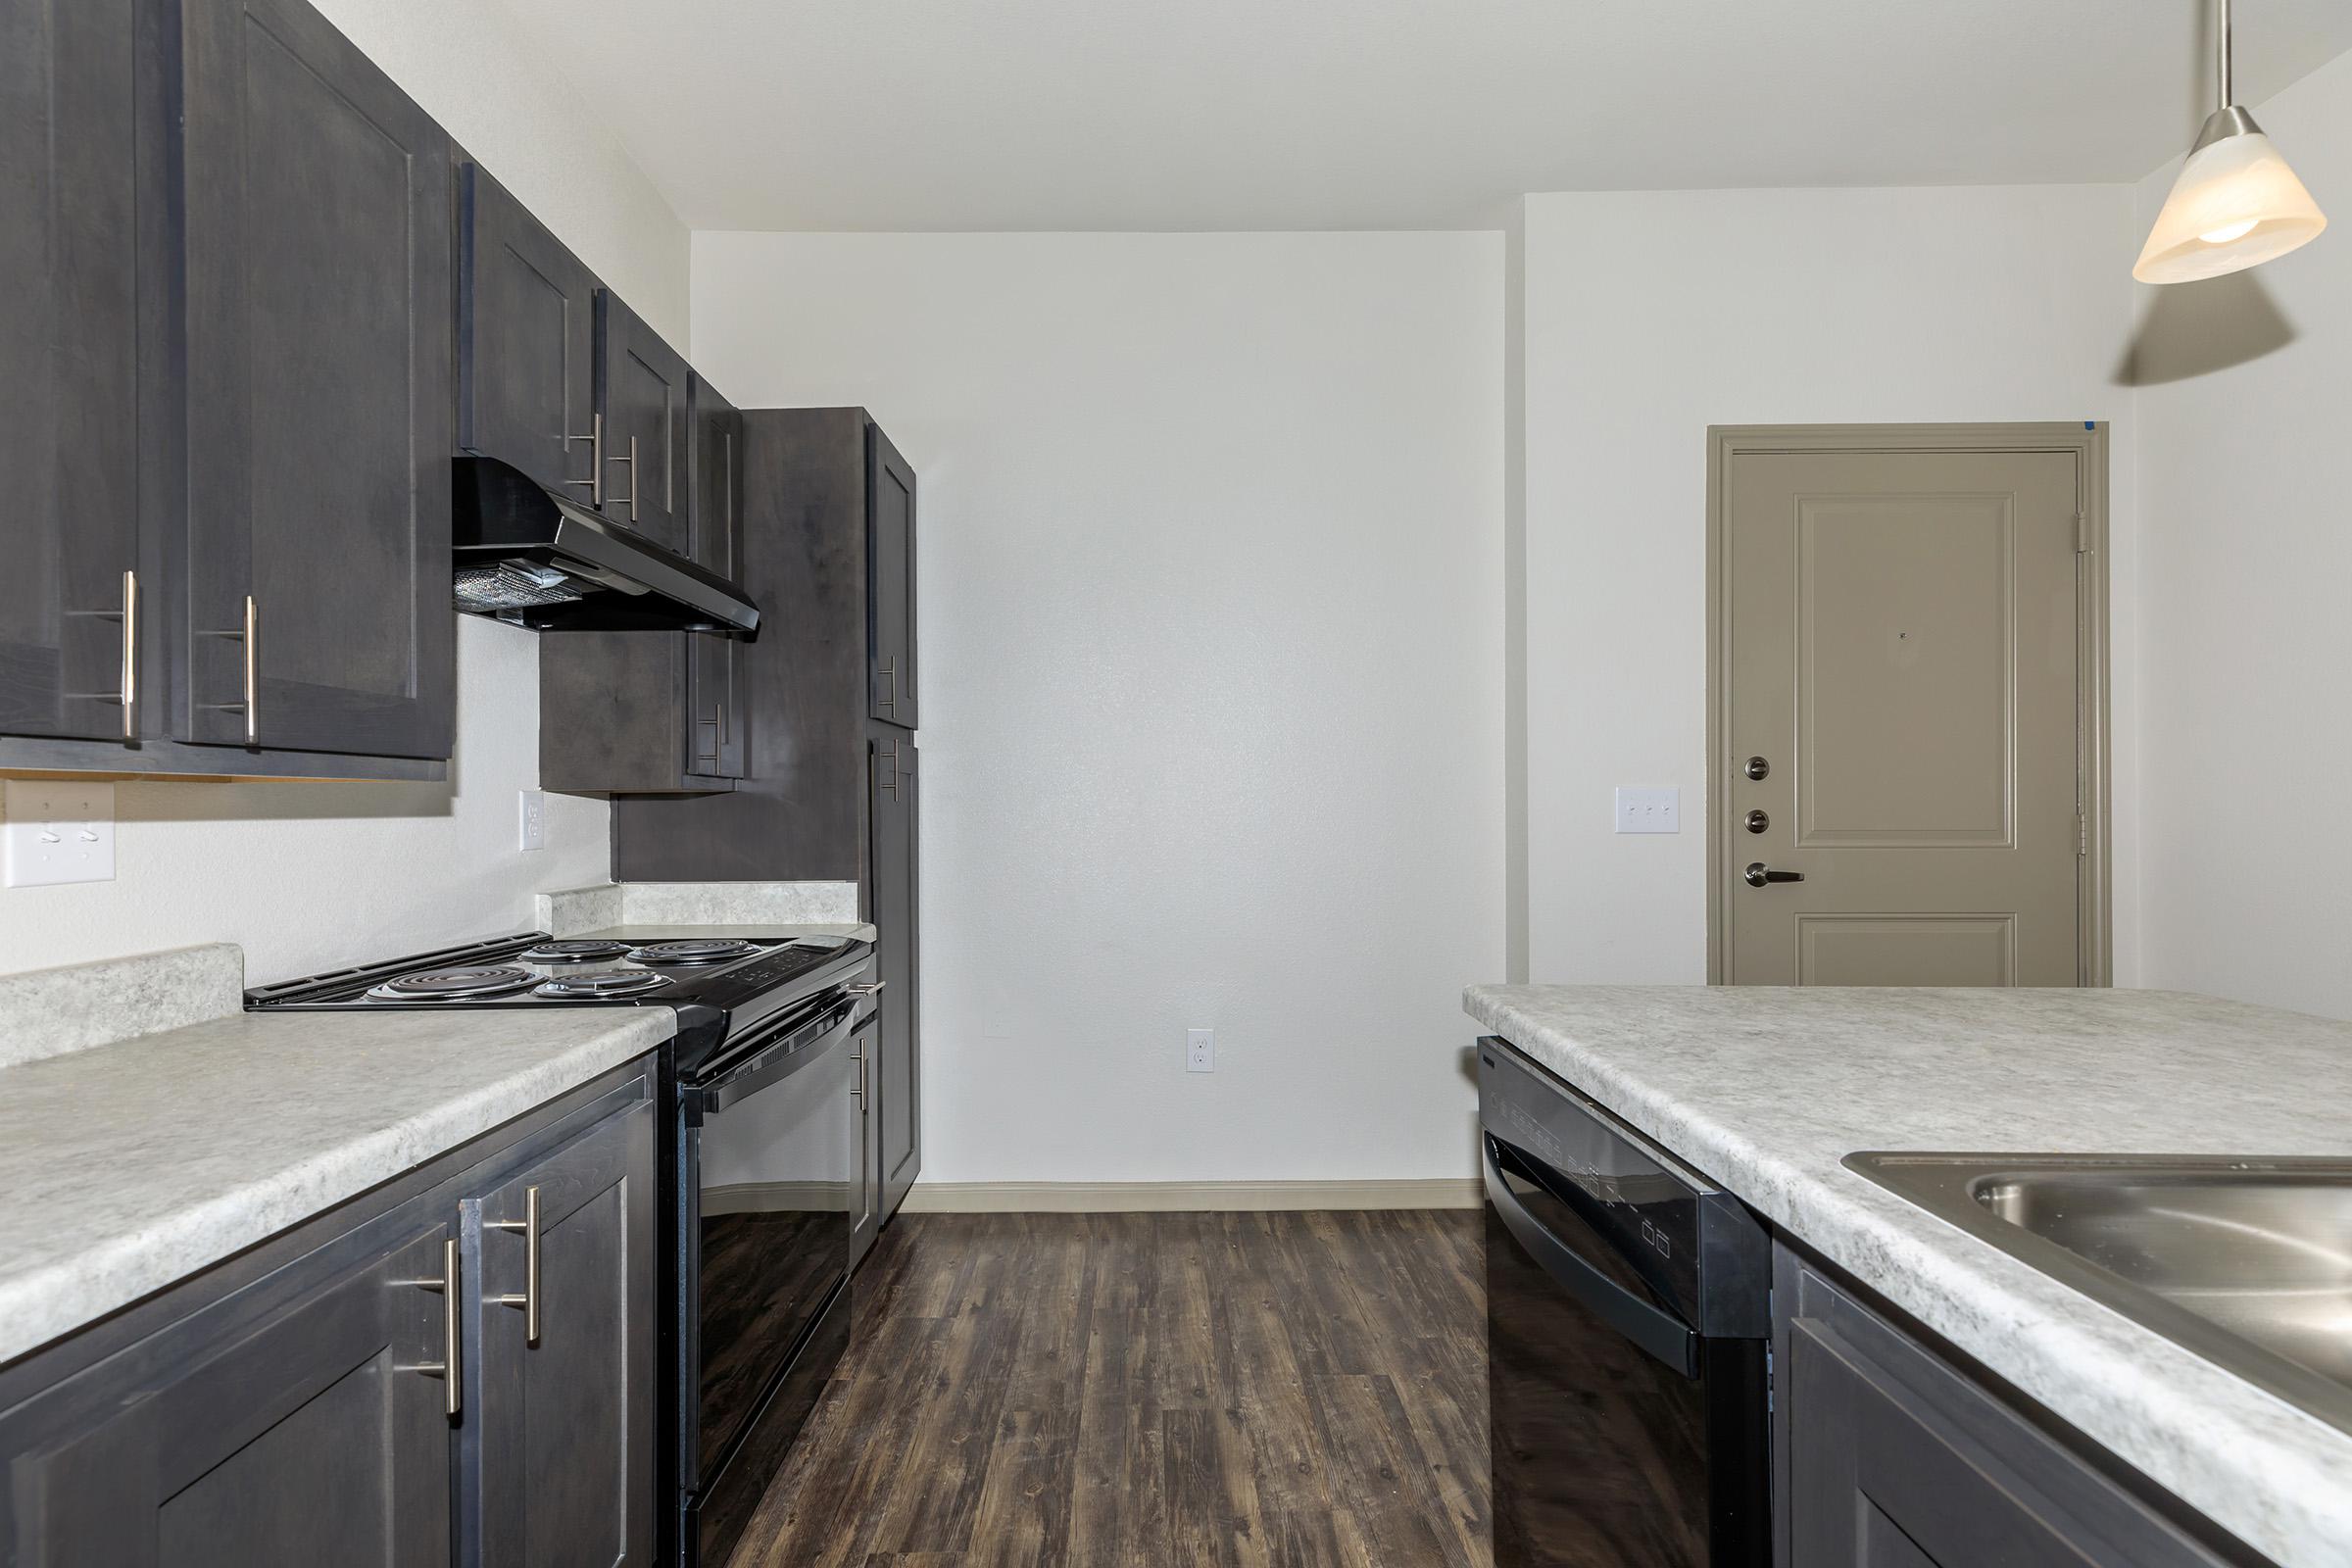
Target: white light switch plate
{"type": "Point", "coordinates": [59, 832]}
{"type": "Point", "coordinates": [1649, 811]}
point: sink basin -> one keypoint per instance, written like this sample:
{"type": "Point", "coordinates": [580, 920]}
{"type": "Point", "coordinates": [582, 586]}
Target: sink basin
{"type": "Point", "coordinates": [2248, 1263]}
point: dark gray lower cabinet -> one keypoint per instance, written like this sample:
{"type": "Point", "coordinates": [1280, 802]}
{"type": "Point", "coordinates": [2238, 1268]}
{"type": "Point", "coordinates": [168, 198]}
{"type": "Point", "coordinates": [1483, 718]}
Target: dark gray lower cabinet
{"type": "Point", "coordinates": [896, 1077]}
{"type": "Point", "coordinates": [1892, 1458]}
{"type": "Point", "coordinates": [565, 1454]}
{"type": "Point", "coordinates": [303, 1411]}
{"type": "Point", "coordinates": [290, 1430]}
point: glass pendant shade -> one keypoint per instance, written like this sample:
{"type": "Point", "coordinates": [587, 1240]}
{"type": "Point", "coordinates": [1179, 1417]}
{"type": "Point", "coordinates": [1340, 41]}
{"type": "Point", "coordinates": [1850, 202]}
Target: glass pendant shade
{"type": "Point", "coordinates": [2235, 204]}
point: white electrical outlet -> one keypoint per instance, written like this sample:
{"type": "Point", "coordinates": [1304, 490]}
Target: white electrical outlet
{"type": "Point", "coordinates": [1199, 1051]}
{"type": "Point", "coordinates": [534, 820]}
{"type": "Point", "coordinates": [1649, 811]}
{"type": "Point", "coordinates": [59, 832]}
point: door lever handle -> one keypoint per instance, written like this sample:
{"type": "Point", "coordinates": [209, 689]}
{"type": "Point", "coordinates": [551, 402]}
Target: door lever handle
{"type": "Point", "coordinates": [1758, 875]}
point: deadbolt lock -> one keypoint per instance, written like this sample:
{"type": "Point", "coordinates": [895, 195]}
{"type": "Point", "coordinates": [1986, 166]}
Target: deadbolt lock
{"type": "Point", "coordinates": [1757, 821]}
{"type": "Point", "coordinates": [1757, 768]}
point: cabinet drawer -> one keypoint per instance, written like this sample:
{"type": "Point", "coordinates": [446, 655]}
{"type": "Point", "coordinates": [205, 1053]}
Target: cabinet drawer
{"type": "Point", "coordinates": [1893, 1458]}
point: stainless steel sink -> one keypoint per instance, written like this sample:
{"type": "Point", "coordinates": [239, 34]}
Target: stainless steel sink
{"type": "Point", "coordinates": [2248, 1263]}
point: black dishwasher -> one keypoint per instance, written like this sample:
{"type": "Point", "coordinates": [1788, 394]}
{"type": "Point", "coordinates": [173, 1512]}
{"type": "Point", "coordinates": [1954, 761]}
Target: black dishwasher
{"type": "Point", "coordinates": [1628, 1322]}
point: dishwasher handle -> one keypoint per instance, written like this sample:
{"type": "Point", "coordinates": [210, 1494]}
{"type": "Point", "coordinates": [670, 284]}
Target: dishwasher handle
{"type": "Point", "coordinates": [1659, 1334]}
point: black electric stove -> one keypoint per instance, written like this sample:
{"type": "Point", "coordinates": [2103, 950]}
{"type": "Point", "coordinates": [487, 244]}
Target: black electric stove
{"type": "Point", "coordinates": [721, 987]}
{"type": "Point", "coordinates": [764, 1161]}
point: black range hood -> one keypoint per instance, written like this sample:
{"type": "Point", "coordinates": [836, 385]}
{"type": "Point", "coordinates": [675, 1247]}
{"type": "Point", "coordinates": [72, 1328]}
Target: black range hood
{"type": "Point", "coordinates": [529, 556]}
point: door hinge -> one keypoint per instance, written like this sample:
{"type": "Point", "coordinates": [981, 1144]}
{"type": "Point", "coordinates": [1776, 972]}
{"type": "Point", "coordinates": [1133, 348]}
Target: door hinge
{"type": "Point", "coordinates": [2081, 833]}
{"type": "Point", "coordinates": [2082, 534]}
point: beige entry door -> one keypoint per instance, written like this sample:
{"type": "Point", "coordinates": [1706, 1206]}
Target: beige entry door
{"type": "Point", "coordinates": [1900, 728]}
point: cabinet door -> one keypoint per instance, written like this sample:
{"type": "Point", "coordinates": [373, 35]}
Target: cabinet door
{"type": "Point", "coordinates": [890, 586]}
{"type": "Point", "coordinates": [69, 340]}
{"type": "Point", "coordinates": [318, 612]}
{"type": "Point", "coordinates": [865, 1196]}
{"type": "Point", "coordinates": [526, 341]}
{"type": "Point", "coordinates": [313, 1434]}
{"type": "Point", "coordinates": [642, 392]}
{"type": "Point", "coordinates": [716, 711]}
{"type": "Point", "coordinates": [897, 1079]}
{"type": "Point", "coordinates": [568, 1413]}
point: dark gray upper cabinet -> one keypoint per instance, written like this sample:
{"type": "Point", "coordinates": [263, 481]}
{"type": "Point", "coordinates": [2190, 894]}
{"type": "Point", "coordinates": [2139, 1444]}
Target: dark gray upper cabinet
{"type": "Point", "coordinates": [1892, 1458]}
{"type": "Point", "coordinates": [566, 1423]}
{"type": "Point", "coordinates": [316, 611]}
{"type": "Point", "coordinates": [68, 365]}
{"type": "Point", "coordinates": [897, 1076]}
{"type": "Point", "coordinates": [890, 605]}
{"type": "Point", "coordinates": [527, 342]}
{"type": "Point", "coordinates": [642, 393]}
{"type": "Point", "coordinates": [715, 664]}
{"type": "Point", "coordinates": [287, 1425]}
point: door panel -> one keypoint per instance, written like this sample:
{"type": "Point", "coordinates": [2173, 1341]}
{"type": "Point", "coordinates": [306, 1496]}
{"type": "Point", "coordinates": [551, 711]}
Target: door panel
{"type": "Point", "coordinates": [319, 298]}
{"type": "Point", "coordinates": [309, 1436]}
{"type": "Point", "coordinates": [568, 1422]}
{"type": "Point", "coordinates": [526, 341]}
{"type": "Point", "coordinates": [715, 713]}
{"type": "Point", "coordinates": [69, 415]}
{"type": "Point", "coordinates": [890, 549]}
{"type": "Point", "coordinates": [1902, 656]}
{"type": "Point", "coordinates": [642, 392]}
{"type": "Point", "coordinates": [897, 1077]}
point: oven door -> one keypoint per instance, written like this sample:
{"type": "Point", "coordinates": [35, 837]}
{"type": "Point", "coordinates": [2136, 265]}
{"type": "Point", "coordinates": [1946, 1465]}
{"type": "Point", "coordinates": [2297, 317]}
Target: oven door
{"type": "Point", "coordinates": [769, 1174]}
{"type": "Point", "coordinates": [1621, 1436]}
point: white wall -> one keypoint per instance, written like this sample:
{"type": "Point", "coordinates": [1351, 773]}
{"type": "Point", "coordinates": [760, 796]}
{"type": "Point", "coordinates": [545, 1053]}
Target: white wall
{"type": "Point", "coordinates": [2244, 406]}
{"type": "Point", "coordinates": [311, 876]}
{"type": "Point", "coordinates": [1652, 315]}
{"type": "Point", "coordinates": [1210, 571]}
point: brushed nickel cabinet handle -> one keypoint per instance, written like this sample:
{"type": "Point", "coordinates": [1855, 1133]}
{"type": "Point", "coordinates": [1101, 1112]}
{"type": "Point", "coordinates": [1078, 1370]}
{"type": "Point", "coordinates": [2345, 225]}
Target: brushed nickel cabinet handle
{"type": "Point", "coordinates": [858, 1089]}
{"type": "Point", "coordinates": [448, 1369]}
{"type": "Point", "coordinates": [127, 682]}
{"type": "Point", "coordinates": [890, 668]}
{"type": "Point", "coordinates": [891, 783]}
{"type": "Point", "coordinates": [596, 459]}
{"type": "Point", "coordinates": [629, 501]}
{"type": "Point", "coordinates": [529, 1300]}
{"type": "Point", "coordinates": [250, 635]}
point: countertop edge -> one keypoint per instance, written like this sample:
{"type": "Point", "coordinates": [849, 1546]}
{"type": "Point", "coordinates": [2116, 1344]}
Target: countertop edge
{"type": "Point", "coordinates": [2264, 1471]}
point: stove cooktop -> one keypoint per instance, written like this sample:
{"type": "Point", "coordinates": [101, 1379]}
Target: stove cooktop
{"type": "Point", "coordinates": [718, 984]}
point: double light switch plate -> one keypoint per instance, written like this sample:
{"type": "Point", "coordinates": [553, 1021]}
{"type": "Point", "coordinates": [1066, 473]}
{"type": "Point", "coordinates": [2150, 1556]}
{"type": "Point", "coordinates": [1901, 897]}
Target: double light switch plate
{"type": "Point", "coordinates": [58, 831]}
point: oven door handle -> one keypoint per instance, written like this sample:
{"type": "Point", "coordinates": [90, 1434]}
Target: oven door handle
{"type": "Point", "coordinates": [1660, 1335]}
{"type": "Point", "coordinates": [777, 1062]}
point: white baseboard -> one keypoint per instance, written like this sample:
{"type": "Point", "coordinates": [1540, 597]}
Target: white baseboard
{"type": "Point", "coordinates": [1164, 1198]}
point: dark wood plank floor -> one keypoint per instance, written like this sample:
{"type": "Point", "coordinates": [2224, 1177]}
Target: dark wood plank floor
{"type": "Point", "coordinates": [1109, 1390]}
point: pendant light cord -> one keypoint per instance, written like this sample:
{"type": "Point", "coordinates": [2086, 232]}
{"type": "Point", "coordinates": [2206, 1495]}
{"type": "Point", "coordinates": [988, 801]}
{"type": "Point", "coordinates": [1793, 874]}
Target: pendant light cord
{"type": "Point", "coordinates": [2228, 64]}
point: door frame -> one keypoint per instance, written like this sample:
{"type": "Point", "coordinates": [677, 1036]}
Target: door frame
{"type": "Point", "coordinates": [2087, 441]}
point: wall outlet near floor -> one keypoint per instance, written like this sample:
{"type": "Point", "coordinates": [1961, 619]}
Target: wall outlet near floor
{"type": "Point", "coordinates": [59, 832]}
{"type": "Point", "coordinates": [1199, 1051]}
{"type": "Point", "coordinates": [1641, 811]}
{"type": "Point", "coordinates": [534, 820]}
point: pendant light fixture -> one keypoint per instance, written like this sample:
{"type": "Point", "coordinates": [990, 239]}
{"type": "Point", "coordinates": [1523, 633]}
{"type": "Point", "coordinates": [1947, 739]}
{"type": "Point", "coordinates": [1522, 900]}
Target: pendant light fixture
{"type": "Point", "coordinates": [2236, 204]}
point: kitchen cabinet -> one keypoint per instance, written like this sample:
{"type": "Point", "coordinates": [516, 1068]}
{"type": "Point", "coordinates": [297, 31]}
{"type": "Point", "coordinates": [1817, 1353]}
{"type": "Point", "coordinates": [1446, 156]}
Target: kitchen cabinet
{"type": "Point", "coordinates": [566, 1321]}
{"type": "Point", "coordinates": [890, 552]}
{"type": "Point", "coordinates": [659, 713]}
{"type": "Point", "coordinates": [68, 367]}
{"type": "Point", "coordinates": [642, 394]}
{"type": "Point", "coordinates": [293, 1423]}
{"type": "Point", "coordinates": [316, 613]}
{"type": "Point", "coordinates": [360, 1391]}
{"type": "Point", "coordinates": [527, 342]}
{"type": "Point", "coordinates": [829, 792]}
{"type": "Point", "coordinates": [715, 713]}
{"type": "Point", "coordinates": [865, 1197]}
{"type": "Point", "coordinates": [897, 1076]}
{"type": "Point", "coordinates": [1894, 1458]}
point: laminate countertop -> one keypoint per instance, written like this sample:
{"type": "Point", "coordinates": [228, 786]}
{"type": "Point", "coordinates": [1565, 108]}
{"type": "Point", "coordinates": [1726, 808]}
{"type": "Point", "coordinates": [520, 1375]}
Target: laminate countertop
{"type": "Point", "coordinates": [131, 1165]}
{"type": "Point", "coordinates": [1767, 1090]}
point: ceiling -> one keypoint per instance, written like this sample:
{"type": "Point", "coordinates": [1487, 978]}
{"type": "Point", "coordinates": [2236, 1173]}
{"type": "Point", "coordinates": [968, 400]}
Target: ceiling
{"type": "Point", "coordinates": [1377, 114]}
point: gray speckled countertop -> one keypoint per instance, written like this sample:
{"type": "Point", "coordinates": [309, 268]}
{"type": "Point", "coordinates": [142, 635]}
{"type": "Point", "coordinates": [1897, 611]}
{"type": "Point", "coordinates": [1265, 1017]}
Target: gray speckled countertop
{"type": "Point", "coordinates": [130, 1165]}
{"type": "Point", "coordinates": [1766, 1091]}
